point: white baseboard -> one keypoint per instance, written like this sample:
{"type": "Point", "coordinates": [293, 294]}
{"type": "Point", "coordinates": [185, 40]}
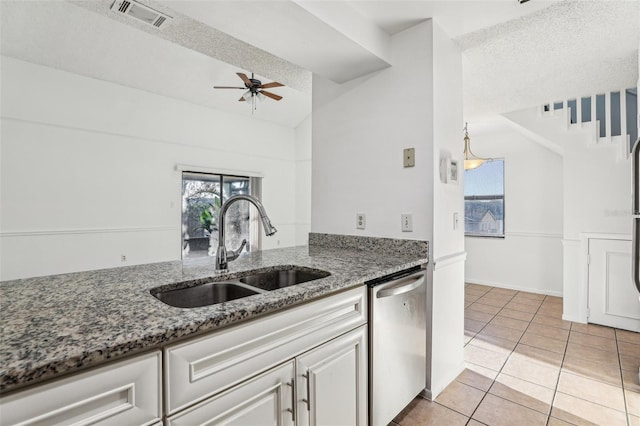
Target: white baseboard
{"type": "Point", "coordinates": [432, 394]}
{"type": "Point", "coordinates": [512, 287]}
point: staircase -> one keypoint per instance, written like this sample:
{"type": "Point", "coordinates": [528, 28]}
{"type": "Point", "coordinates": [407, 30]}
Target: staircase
{"type": "Point", "coordinates": [610, 118]}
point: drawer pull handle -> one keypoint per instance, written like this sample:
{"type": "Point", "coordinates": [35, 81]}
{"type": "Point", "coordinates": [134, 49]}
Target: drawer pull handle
{"type": "Point", "coordinates": [307, 400]}
{"type": "Point", "coordinates": [292, 410]}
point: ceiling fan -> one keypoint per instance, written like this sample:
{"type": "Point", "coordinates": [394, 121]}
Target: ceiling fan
{"type": "Point", "coordinates": [254, 88]}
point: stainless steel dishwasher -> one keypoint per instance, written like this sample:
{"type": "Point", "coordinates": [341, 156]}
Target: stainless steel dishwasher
{"type": "Point", "coordinates": [397, 342]}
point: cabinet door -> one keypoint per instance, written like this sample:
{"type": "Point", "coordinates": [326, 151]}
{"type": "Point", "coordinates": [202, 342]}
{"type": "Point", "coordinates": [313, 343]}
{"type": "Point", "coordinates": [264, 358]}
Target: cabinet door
{"type": "Point", "coordinates": [332, 382]}
{"type": "Point", "coordinates": [264, 400]}
{"type": "Point", "coordinates": [613, 299]}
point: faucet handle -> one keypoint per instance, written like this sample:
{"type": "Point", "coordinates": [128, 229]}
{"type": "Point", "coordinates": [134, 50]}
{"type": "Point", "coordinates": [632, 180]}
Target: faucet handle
{"type": "Point", "coordinates": [233, 254]}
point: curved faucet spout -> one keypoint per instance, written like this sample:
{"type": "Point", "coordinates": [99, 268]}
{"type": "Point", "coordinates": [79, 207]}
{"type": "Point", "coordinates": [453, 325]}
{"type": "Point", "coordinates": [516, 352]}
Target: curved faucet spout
{"type": "Point", "coordinates": [222, 256]}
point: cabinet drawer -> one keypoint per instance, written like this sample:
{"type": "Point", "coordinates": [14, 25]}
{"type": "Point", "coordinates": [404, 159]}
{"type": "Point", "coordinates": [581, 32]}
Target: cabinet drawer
{"type": "Point", "coordinates": [200, 368]}
{"type": "Point", "coordinates": [124, 393]}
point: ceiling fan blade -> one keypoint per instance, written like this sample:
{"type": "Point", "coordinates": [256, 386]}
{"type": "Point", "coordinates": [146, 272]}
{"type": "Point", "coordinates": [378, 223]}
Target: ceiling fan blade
{"type": "Point", "coordinates": [271, 95]}
{"type": "Point", "coordinates": [228, 87]}
{"type": "Point", "coordinates": [270, 85]}
{"type": "Point", "coordinates": [245, 79]}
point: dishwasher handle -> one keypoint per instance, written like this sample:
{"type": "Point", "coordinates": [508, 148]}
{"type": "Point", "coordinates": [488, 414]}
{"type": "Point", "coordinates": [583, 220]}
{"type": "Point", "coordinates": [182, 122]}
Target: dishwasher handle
{"type": "Point", "coordinates": [401, 286]}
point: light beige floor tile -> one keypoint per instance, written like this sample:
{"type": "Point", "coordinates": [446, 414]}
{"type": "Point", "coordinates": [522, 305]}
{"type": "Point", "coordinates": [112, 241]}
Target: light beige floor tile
{"type": "Point", "coordinates": [461, 398]}
{"type": "Point", "coordinates": [634, 421]}
{"type": "Point", "coordinates": [525, 369]}
{"type": "Point", "coordinates": [550, 311]}
{"type": "Point", "coordinates": [543, 342]}
{"type": "Point", "coordinates": [484, 358]}
{"type": "Point", "coordinates": [630, 380]}
{"type": "Point", "coordinates": [552, 322]}
{"type": "Point", "coordinates": [477, 315]}
{"type": "Point", "coordinates": [591, 390]}
{"type": "Point", "coordinates": [591, 354]}
{"type": "Point", "coordinates": [509, 322]}
{"type": "Point", "coordinates": [477, 376]}
{"type": "Point", "coordinates": [592, 341]}
{"type": "Point", "coordinates": [497, 411]}
{"type": "Point", "coordinates": [607, 373]}
{"type": "Point", "coordinates": [493, 343]}
{"type": "Point", "coordinates": [470, 299]}
{"type": "Point", "coordinates": [533, 296]}
{"type": "Point", "coordinates": [629, 362]}
{"type": "Point", "coordinates": [524, 301]}
{"type": "Point", "coordinates": [493, 301]}
{"type": "Point", "coordinates": [626, 348]}
{"type": "Point", "coordinates": [427, 413]}
{"type": "Point", "coordinates": [594, 329]}
{"type": "Point", "coordinates": [628, 336]}
{"type": "Point", "coordinates": [479, 287]}
{"type": "Point", "coordinates": [475, 291]}
{"type": "Point", "coordinates": [468, 337]}
{"type": "Point", "coordinates": [475, 423]}
{"type": "Point", "coordinates": [557, 422]}
{"type": "Point", "coordinates": [633, 402]}
{"type": "Point", "coordinates": [506, 291]}
{"type": "Point", "coordinates": [473, 325]}
{"type": "Point", "coordinates": [521, 307]}
{"type": "Point", "coordinates": [502, 332]}
{"type": "Point", "coordinates": [548, 331]}
{"type": "Point", "coordinates": [522, 392]}
{"type": "Point", "coordinates": [467, 304]}
{"type": "Point", "coordinates": [537, 355]}
{"type": "Point", "coordinates": [553, 299]}
{"type": "Point", "coordinates": [481, 307]}
{"type": "Point", "coordinates": [580, 412]}
{"type": "Point", "coordinates": [520, 315]}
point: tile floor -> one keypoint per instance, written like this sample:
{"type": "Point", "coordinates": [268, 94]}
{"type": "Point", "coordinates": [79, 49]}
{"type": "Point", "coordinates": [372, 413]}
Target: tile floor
{"type": "Point", "coordinates": [527, 366]}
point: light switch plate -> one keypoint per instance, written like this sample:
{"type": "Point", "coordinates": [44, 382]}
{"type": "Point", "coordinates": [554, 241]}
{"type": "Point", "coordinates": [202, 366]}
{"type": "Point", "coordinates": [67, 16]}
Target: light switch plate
{"type": "Point", "coordinates": [407, 222]}
{"type": "Point", "coordinates": [361, 220]}
{"type": "Point", "coordinates": [409, 156]}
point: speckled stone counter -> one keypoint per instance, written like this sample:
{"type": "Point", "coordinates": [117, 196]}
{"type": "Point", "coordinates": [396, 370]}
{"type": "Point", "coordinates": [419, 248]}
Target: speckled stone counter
{"type": "Point", "coordinates": [57, 324]}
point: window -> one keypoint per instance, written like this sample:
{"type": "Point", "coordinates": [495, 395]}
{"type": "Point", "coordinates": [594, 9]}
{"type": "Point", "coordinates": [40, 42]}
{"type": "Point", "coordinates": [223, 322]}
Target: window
{"type": "Point", "coordinates": [202, 196]}
{"type": "Point", "coordinates": [484, 200]}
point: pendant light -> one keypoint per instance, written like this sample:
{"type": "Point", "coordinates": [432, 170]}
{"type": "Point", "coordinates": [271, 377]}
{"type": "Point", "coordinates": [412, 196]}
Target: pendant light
{"type": "Point", "coordinates": [471, 161]}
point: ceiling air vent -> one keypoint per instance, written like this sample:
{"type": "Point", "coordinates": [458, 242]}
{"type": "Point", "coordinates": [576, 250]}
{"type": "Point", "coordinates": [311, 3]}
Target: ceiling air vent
{"type": "Point", "coordinates": [141, 12]}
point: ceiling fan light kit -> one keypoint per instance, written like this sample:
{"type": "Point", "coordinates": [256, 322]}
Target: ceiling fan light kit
{"type": "Point", "coordinates": [254, 89]}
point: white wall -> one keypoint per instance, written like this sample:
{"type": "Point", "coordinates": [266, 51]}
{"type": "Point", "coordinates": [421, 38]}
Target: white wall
{"type": "Point", "coordinates": [303, 181]}
{"type": "Point", "coordinates": [529, 258]}
{"type": "Point", "coordinates": [597, 189]}
{"type": "Point", "coordinates": [360, 129]}
{"type": "Point", "coordinates": [447, 247]}
{"type": "Point", "coordinates": [88, 170]}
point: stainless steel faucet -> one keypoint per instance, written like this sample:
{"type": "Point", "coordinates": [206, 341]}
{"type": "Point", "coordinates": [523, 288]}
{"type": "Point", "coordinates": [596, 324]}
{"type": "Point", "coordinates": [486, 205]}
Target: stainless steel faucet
{"type": "Point", "coordinates": [222, 256]}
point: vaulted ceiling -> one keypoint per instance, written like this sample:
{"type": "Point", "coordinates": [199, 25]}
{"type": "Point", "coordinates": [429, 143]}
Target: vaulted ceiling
{"type": "Point", "coordinates": [514, 55]}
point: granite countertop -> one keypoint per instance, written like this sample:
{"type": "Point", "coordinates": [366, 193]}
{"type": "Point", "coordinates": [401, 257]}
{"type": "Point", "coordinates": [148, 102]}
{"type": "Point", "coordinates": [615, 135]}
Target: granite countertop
{"type": "Point", "coordinates": [57, 324]}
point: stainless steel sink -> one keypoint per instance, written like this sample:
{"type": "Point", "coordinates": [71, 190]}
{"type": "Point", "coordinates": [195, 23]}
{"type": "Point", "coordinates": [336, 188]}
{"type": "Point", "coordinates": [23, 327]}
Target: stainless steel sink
{"type": "Point", "coordinates": [251, 284]}
{"type": "Point", "coordinates": [283, 277]}
{"type": "Point", "coordinates": [205, 294]}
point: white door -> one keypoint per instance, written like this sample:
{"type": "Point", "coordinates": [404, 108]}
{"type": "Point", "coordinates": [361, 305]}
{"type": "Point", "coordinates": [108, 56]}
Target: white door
{"type": "Point", "coordinates": [264, 400]}
{"type": "Point", "coordinates": [613, 298]}
{"type": "Point", "coordinates": [332, 382]}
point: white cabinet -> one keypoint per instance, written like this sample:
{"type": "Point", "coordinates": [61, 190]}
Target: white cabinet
{"type": "Point", "coordinates": [332, 382]}
{"type": "Point", "coordinates": [124, 393]}
{"type": "Point", "coordinates": [264, 400]}
{"type": "Point", "coordinates": [313, 357]}
{"type": "Point", "coordinates": [203, 367]}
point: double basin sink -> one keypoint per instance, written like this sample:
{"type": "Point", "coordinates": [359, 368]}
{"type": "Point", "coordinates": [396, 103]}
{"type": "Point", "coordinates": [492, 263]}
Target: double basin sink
{"type": "Point", "coordinates": [213, 292]}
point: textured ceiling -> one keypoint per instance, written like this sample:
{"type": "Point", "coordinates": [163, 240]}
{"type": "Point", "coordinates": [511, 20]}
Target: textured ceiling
{"type": "Point", "coordinates": [567, 50]}
{"type": "Point", "coordinates": [514, 56]}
